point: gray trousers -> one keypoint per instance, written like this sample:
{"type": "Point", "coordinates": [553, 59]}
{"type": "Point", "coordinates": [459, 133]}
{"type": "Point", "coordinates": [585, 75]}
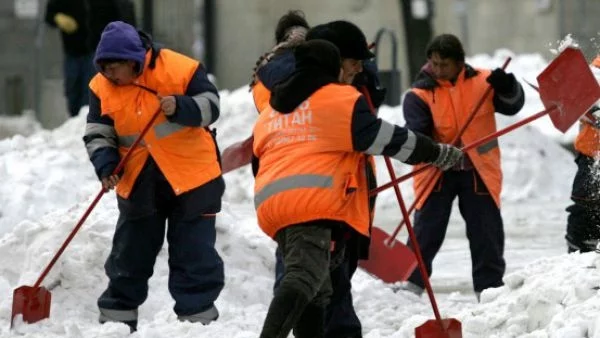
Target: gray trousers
{"type": "Point", "coordinates": [305, 289]}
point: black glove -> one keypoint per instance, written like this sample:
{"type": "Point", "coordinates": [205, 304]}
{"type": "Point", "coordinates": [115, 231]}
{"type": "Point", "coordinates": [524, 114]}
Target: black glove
{"type": "Point", "coordinates": [501, 81]}
{"type": "Point", "coordinates": [448, 157]}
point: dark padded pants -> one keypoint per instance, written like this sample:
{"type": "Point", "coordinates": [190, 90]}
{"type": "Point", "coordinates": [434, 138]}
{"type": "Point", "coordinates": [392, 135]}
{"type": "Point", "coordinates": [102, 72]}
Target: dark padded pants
{"type": "Point", "coordinates": [196, 273]}
{"type": "Point", "coordinates": [305, 287]}
{"type": "Point", "coordinates": [583, 222]}
{"type": "Point", "coordinates": [484, 227]}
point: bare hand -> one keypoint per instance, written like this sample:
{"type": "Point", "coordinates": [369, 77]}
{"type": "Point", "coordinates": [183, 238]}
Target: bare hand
{"type": "Point", "coordinates": [109, 182]}
{"type": "Point", "coordinates": [168, 105]}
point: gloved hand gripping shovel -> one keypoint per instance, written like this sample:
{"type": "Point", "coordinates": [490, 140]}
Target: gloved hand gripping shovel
{"type": "Point", "coordinates": [450, 327]}
{"type": "Point", "coordinates": [567, 89]}
{"type": "Point", "coordinates": [33, 302]}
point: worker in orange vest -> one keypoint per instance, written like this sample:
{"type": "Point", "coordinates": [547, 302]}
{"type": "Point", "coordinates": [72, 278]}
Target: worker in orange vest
{"type": "Point", "coordinates": [311, 187]}
{"type": "Point", "coordinates": [360, 71]}
{"type": "Point", "coordinates": [440, 101]}
{"type": "Point", "coordinates": [173, 175]}
{"type": "Point", "coordinates": [583, 222]}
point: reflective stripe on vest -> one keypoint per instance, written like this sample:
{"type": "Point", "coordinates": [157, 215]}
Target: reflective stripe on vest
{"type": "Point", "coordinates": [128, 140]}
{"type": "Point", "coordinates": [167, 128]}
{"type": "Point", "coordinates": [482, 149]}
{"type": "Point", "coordinates": [161, 130]}
{"type": "Point", "coordinates": [290, 183]}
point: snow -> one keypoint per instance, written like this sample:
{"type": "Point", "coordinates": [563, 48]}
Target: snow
{"type": "Point", "coordinates": [47, 182]}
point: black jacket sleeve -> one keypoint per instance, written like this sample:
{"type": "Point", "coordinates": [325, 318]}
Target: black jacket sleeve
{"type": "Point", "coordinates": [417, 114]}
{"type": "Point", "coordinates": [52, 7]}
{"type": "Point", "coordinates": [375, 136]}
{"type": "Point", "coordinates": [101, 139]}
{"type": "Point", "coordinates": [199, 106]}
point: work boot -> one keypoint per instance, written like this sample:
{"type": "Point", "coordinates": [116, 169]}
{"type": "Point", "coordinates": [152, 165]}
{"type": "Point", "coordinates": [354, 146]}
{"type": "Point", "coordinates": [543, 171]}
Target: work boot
{"type": "Point", "coordinates": [204, 317]}
{"type": "Point", "coordinates": [127, 317]}
{"type": "Point", "coordinates": [285, 310]}
{"type": "Point", "coordinates": [311, 323]}
{"type": "Point", "coordinates": [411, 287]}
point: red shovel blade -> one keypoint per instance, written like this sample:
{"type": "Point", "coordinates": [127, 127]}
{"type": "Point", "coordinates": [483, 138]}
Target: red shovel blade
{"type": "Point", "coordinates": [32, 303]}
{"type": "Point", "coordinates": [237, 155]}
{"type": "Point", "coordinates": [390, 263]}
{"type": "Point", "coordinates": [568, 84]}
{"type": "Point", "coordinates": [432, 329]}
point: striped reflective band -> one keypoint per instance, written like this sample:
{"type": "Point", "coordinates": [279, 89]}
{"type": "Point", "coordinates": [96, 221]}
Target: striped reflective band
{"type": "Point", "coordinates": [487, 147]}
{"type": "Point", "coordinates": [407, 148]}
{"type": "Point", "coordinates": [383, 138]}
{"type": "Point", "coordinates": [203, 101]}
{"type": "Point", "coordinates": [290, 183]}
{"type": "Point", "coordinates": [167, 128]}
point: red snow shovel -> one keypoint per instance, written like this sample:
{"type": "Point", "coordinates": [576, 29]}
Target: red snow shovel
{"type": "Point", "coordinates": [390, 260]}
{"type": "Point", "coordinates": [33, 302]}
{"type": "Point", "coordinates": [564, 94]}
{"type": "Point", "coordinates": [447, 328]}
{"type": "Point", "coordinates": [237, 155]}
{"type": "Point", "coordinates": [567, 89]}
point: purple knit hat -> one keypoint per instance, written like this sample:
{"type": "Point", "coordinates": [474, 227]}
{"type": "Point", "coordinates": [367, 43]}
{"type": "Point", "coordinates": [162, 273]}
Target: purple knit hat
{"type": "Point", "coordinates": [120, 40]}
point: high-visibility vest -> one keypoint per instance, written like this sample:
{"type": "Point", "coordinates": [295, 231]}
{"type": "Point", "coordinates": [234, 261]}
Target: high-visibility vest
{"type": "Point", "coordinates": [261, 96]}
{"type": "Point", "coordinates": [588, 139]}
{"type": "Point", "coordinates": [187, 156]}
{"type": "Point", "coordinates": [450, 107]}
{"type": "Point", "coordinates": [308, 169]}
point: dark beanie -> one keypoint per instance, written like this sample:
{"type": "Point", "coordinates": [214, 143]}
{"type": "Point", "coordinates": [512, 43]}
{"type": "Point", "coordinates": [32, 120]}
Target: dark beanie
{"type": "Point", "coordinates": [319, 54]}
{"type": "Point", "coordinates": [120, 41]}
{"type": "Point", "coordinates": [347, 37]}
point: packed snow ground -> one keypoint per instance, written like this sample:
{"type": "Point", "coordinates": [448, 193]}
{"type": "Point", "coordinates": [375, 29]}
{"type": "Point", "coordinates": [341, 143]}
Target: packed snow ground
{"type": "Point", "coordinates": [46, 182]}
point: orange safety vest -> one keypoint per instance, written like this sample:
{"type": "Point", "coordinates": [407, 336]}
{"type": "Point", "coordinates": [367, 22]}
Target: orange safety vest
{"type": "Point", "coordinates": [450, 107]}
{"type": "Point", "coordinates": [308, 169]}
{"type": "Point", "coordinates": [588, 139]}
{"type": "Point", "coordinates": [187, 156]}
{"type": "Point", "coordinates": [261, 96]}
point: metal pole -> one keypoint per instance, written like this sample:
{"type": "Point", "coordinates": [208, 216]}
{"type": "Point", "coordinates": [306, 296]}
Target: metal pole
{"type": "Point", "coordinates": [210, 24]}
{"type": "Point", "coordinates": [38, 76]}
{"type": "Point", "coordinates": [148, 15]}
{"type": "Point", "coordinates": [463, 17]}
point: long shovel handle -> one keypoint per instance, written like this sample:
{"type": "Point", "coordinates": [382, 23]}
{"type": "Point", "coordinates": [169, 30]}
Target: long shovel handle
{"type": "Point", "coordinates": [416, 248]}
{"type": "Point", "coordinates": [479, 142]}
{"type": "Point", "coordinates": [510, 128]}
{"type": "Point", "coordinates": [431, 180]}
{"type": "Point", "coordinates": [435, 175]}
{"type": "Point", "coordinates": [454, 141]}
{"type": "Point", "coordinates": [95, 201]}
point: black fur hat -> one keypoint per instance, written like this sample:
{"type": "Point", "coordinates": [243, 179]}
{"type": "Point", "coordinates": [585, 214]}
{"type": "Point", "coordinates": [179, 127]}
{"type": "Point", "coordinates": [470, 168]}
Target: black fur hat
{"type": "Point", "coordinates": [346, 36]}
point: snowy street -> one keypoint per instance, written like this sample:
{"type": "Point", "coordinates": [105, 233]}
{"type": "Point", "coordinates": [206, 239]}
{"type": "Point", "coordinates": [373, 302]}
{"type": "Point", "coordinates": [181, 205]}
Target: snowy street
{"type": "Point", "coordinates": [46, 182]}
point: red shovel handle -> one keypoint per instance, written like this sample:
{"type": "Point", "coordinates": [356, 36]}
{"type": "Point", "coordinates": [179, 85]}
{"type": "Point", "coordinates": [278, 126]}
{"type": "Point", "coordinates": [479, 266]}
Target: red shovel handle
{"type": "Point", "coordinates": [95, 201]}
{"type": "Point", "coordinates": [413, 238]}
{"type": "Point", "coordinates": [454, 141]}
{"type": "Point", "coordinates": [435, 174]}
